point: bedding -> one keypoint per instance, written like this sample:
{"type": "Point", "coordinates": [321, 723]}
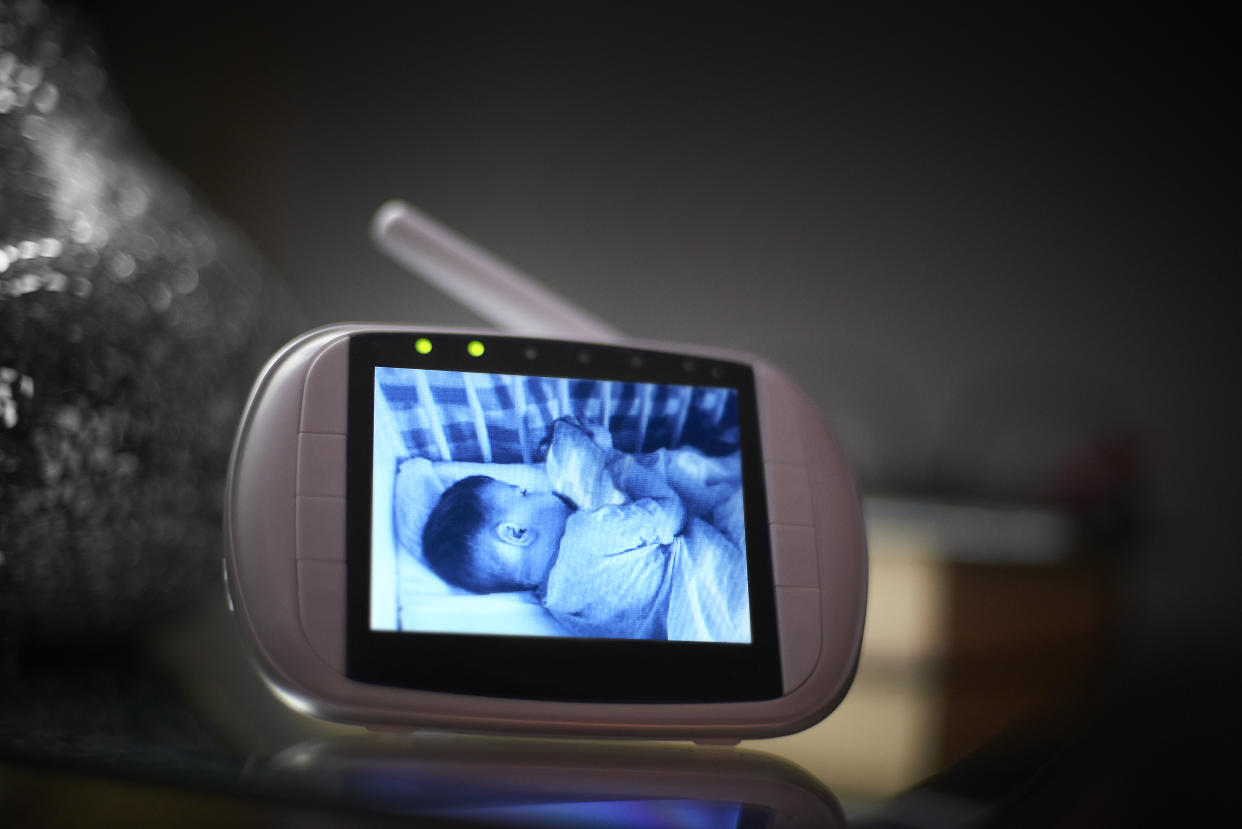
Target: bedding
{"type": "Point", "coordinates": [708, 599]}
{"type": "Point", "coordinates": [634, 562]}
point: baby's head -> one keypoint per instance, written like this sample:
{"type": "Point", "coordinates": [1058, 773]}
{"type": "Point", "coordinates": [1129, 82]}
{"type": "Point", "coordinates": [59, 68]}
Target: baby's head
{"type": "Point", "coordinates": [488, 536]}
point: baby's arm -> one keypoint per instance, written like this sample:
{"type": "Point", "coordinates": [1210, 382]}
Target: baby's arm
{"type": "Point", "coordinates": [598, 434]}
{"type": "Point", "coordinates": [577, 467]}
{"type": "Point", "coordinates": [644, 478]}
{"type": "Point", "coordinates": [613, 530]}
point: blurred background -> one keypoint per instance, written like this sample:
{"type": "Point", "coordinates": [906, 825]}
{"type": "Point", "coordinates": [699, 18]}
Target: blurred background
{"type": "Point", "coordinates": [1000, 249]}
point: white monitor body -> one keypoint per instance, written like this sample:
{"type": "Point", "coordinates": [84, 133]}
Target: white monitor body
{"type": "Point", "coordinates": [286, 557]}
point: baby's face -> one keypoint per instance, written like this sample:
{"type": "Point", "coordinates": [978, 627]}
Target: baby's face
{"type": "Point", "coordinates": [524, 529]}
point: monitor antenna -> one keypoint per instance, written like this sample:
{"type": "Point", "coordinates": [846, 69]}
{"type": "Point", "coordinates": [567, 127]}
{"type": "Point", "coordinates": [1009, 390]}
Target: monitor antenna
{"type": "Point", "coordinates": [498, 292]}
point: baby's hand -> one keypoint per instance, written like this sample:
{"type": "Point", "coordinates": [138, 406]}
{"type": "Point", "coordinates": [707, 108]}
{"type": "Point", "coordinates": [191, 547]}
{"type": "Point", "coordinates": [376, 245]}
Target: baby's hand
{"type": "Point", "coordinates": [576, 467]}
{"type": "Point", "coordinates": [596, 432]}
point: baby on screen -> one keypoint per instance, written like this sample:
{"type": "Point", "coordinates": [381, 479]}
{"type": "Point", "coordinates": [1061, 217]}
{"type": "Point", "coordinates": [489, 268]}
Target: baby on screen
{"type": "Point", "coordinates": [601, 550]}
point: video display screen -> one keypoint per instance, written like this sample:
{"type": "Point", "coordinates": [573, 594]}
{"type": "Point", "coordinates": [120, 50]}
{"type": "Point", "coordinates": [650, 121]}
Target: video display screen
{"type": "Point", "coordinates": [507, 504]}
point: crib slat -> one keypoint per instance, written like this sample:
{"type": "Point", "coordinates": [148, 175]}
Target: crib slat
{"type": "Point", "coordinates": [687, 393]}
{"type": "Point", "coordinates": [644, 415]}
{"type": "Point", "coordinates": [517, 385]}
{"type": "Point", "coordinates": [605, 404]}
{"type": "Point", "coordinates": [562, 388]}
{"type": "Point", "coordinates": [432, 410]}
{"type": "Point", "coordinates": [480, 420]}
{"type": "Point", "coordinates": [722, 399]}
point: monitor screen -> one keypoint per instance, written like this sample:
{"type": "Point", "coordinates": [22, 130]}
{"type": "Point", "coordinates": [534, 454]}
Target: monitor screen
{"type": "Point", "coordinates": [517, 505]}
{"type": "Point", "coordinates": [533, 505]}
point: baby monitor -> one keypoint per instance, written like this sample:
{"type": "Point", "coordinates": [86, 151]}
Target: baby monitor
{"type": "Point", "coordinates": [508, 532]}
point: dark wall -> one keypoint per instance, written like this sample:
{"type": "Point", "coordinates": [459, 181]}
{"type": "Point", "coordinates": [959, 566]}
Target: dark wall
{"type": "Point", "coordinates": [988, 243]}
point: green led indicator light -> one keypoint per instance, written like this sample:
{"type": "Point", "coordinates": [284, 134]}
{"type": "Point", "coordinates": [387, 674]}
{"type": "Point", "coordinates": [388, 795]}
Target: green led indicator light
{"type": "Point", "coordinates": [422, 345]}
{"type": "Point", "coordinates": [474, 348]}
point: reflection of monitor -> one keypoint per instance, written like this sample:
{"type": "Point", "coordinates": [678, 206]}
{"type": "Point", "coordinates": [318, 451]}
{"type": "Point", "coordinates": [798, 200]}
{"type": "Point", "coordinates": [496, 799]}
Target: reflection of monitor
{"type": "Point", "coordinates": [669, 813]}
{"type": "Point", "coordinates": [507, 533]}
{"type": "Point", "coordinates": [548, 783]}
